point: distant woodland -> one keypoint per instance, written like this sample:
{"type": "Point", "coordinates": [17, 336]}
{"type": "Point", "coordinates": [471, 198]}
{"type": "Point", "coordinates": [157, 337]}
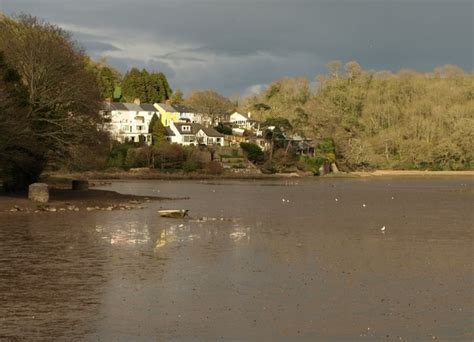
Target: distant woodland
{"type": "Point", "coordinates": [380, 119]}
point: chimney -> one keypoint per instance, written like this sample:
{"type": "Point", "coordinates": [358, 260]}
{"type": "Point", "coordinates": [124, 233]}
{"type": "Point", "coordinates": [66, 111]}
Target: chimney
{"type": "Point", "coordinates": [136, 101]}
{"type": "Point", "coordinates": [249, 115]}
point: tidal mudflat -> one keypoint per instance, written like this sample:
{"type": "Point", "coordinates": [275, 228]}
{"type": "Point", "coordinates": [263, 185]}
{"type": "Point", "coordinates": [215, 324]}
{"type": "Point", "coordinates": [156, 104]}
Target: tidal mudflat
{"type": "Point", "coordinates": [257, 260]}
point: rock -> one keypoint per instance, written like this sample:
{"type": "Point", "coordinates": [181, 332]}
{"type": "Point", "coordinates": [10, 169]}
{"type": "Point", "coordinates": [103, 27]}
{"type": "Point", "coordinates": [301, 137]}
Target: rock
{"type": "Point", "coordinates": [334, 168]}
{"type": "Point", "coordinates": [38, 192]}
{"type": "Point", "coordinates": [80, 184]}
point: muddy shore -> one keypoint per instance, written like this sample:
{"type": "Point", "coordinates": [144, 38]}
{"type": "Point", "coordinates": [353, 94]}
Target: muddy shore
{"type": "Point", "coordinates": [69, 200]}
{"type": "Point", "coordinates": [156, 175]}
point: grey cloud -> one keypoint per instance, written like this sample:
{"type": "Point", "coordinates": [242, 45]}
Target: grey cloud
{"type": "Point", "coordinates": [231, 45]}
{"type": "Point", "coordinates": [97, 46]}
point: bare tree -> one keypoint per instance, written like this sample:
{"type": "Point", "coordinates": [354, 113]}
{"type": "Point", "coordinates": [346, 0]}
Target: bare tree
{"type": "Point", "coordinates": [210, 103]}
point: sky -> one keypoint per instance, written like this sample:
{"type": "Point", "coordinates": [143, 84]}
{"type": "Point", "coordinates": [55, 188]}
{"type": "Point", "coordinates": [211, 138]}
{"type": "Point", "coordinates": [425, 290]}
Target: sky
{"type": "Point", "coordinates": [238, 46]}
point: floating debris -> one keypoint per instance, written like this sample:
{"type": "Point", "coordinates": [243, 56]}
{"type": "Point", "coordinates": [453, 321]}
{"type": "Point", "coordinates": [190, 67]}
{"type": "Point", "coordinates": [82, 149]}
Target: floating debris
{"type": "Point", "coordinates": [173, 213]}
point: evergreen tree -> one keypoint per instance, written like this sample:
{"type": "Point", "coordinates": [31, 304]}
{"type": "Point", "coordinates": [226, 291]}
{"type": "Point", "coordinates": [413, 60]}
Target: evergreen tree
{"type": "Point", "coordinates": [157, 130]}
{"type": "Point", "coordinates": [133, 86]}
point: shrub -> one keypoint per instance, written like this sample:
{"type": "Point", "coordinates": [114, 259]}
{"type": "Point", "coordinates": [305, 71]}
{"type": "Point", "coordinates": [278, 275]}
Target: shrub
{"type": "Point", "coordinates": [221, 128]}
{"type": "Point", "coordinates": [214, 168]}
{"type": "Point", "coordinates": [170, 156]}
{"type": "Point", "coordinates": [135, 158]}
{"type": "Point", "coordinates": [118, 155]}
{"type": "Point", "coordinates": [269, 168]}
{"type": "Point", "coordinates": [253, 152]}
{"type": "Point", "coordinates": [190, 166]}
{"type": "Point", "coordinates": [307, 163]}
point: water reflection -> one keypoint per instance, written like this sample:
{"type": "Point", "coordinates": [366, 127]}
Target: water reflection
{"type": "Point", "coordinates": [176, 234]}
{"type": "Point", "coordinates": [240, 234]}
{"type": "Point", "coordinates": [128, 234]}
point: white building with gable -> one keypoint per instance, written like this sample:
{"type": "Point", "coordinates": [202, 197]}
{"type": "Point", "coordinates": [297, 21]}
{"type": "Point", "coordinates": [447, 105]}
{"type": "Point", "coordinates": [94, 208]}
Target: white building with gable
{"type": "Point", "coordinates": [129, 122]}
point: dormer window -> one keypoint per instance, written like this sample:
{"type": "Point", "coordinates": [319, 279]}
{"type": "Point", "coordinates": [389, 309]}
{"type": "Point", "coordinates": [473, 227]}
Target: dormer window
{"type": "Point", "coordinates": [186, 128]}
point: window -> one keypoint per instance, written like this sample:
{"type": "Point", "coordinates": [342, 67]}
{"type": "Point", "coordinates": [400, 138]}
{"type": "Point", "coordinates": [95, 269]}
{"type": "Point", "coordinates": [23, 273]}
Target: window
{"type": "Point", "coordinates": [188, 138]}
{"type": "Point", "coordinates": [186, 128]}
{"type": "Point", "coordinates": [139, 128]}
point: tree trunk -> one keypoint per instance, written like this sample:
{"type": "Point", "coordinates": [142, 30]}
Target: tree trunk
{"type": "Point", "coordinates": [270, 159]}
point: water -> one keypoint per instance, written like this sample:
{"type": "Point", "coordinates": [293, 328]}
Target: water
{"type": "Point", "coordinates": [286, 261]}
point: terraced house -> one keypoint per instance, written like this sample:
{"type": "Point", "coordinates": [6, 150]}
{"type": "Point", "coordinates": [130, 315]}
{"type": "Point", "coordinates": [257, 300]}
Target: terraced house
{"type": "Point", "coordinates": [129, 122]}
{"type": "Point", "coordinates": [193, 134]}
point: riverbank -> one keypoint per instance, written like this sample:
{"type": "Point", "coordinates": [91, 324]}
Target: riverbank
{"type": "Point", "coordinates": [156, 175]}
{"type": "Point", "coordinates": [379, 173]}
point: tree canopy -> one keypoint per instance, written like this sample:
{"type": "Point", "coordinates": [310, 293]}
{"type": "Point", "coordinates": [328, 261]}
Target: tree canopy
{"type": "Point", "coordinates": [148, 87]}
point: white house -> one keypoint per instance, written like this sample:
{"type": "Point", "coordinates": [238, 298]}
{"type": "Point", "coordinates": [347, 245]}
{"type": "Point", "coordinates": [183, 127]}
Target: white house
{"type": "Point", "coordinates": [184, 133]}
{"type": "Point", "coordinates": [242, 120]}
{"type": "Point", "coordinates": [129, 122]}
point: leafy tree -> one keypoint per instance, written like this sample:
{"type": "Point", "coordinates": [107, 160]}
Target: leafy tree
{"type": "Point", "coordinates": [280, 98]}
{"type": "Point", "coordinates": [177, 97]}
{"type": "Point", "coordinates": [108, 79]}
{"type": "Point", "coordinates": [253, 152]}
{"type": "Point", "coordinates": [275, 129]}
{"type": "Point", "coordinates": [221, 128]}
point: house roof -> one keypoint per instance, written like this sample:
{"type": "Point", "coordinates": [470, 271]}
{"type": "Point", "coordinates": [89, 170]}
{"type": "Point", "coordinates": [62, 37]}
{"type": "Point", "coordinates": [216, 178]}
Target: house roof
{"type": "Point", "coordinates": [246, 116]}
{"type": "Point", "coordinates": [169, 132]}
{"type": "Point", "coordinates": [211, 132]}
{"type": "Point", "coordinates": [114, 106]}
{"type": "Point", "coordinates": [182, 109]}
{"type": "Point", "coordinates": [148, 107]}
{"type": "Point", "coordinates": [133, 107]}
{"type": "Point", "coordinates": [166, 107]}
{"type": "Point", "coordinates": [195, 127]}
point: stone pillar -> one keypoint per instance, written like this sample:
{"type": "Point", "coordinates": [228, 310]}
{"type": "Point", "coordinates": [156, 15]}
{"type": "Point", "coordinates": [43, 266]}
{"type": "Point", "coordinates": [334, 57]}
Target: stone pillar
{"type": "Point", "coordinates": [38, 192]}
{"type": "Point", "coordinates": [80, 184]}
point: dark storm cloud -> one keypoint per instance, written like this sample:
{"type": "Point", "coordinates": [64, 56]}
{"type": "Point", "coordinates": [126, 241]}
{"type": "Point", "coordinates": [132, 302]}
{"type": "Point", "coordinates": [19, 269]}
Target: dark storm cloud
{"type": "Point", "coordinates": [232, 45]}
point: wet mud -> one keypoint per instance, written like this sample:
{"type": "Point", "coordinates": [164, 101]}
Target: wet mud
{"type": "Point", "coordinates": [334, 259]}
